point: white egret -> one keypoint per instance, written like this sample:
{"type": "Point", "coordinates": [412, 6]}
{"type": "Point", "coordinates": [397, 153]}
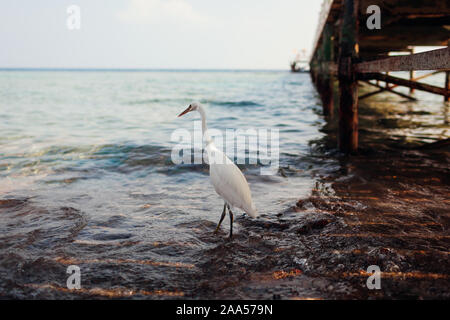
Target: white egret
{"type": "Point", "coordinates": [227, 179]}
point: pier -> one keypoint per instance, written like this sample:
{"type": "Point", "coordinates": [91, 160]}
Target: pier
{"type": "Point", "coordinates": [348, 51]}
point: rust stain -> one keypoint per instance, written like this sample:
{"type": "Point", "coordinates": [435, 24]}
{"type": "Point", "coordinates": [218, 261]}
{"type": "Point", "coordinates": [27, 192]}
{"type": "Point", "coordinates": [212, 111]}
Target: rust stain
{"type": "Point", "coordinates": [283, 274]}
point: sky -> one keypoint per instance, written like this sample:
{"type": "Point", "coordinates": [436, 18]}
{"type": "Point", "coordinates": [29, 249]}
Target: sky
{"type": "Point", "coordinates": [162, 34]}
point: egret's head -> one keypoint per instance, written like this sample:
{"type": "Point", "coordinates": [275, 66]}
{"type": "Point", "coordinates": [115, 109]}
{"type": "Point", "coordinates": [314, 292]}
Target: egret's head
{"type": "Point", "coordinates": [192, 107]}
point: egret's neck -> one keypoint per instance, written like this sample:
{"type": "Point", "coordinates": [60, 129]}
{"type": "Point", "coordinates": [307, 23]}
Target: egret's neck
{"type": "Point", "coordinates": [204, 128]}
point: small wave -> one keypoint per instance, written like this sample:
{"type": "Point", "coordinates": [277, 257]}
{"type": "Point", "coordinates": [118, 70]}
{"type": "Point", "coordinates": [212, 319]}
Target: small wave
{"type": "Point", "coordinates": [131, 157]}
{"type": "Point", "coordinates": [112, 236]}
{"type": "Point", "coordinates": [243, 103]}
{"type": "Point", "coordinates": [154, 100]}
{"type": "Point", "coordinates": [30, 224]}
{"type": "Point", "coordinates": [227, 119]}
{"type": "Point", "coordinates": [145, 101]}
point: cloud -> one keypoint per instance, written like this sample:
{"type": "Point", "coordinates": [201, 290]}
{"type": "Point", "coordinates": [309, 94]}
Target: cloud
{"type": "Point", "coordinates": [161, 11]}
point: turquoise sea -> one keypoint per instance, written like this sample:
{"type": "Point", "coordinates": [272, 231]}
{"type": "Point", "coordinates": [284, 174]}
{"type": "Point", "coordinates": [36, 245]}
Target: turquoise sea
{"type": "Point", "coordinates": [86, 171]}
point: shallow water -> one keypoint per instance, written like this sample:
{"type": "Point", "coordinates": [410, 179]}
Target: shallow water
{"type": "Point", "coordinates": [86, 171]}
{"type": "Point", "coordinates": [86, 179]}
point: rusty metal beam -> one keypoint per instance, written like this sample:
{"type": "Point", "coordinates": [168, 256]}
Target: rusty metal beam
{"type": "Point", "coordinates": [431, 60]}
{"type": "Point", "coordinates": [371, 94]}
{"type": "Point", "coordinates": [420, 77]}
{"type": "Point", "coordinates": [404, 82]}
{"type": "Point", "coordinates": [382, 89]}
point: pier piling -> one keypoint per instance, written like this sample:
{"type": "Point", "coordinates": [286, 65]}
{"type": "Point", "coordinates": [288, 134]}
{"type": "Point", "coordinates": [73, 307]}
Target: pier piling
{"type": "Point", "coordinates": [348, 85]}
{"type": "Point", "coordinates": [327, 81]}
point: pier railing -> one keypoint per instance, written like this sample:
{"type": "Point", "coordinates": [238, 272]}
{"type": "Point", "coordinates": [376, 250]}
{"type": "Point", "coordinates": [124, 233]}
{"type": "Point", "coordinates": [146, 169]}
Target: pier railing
{"type": "Point", "coordinates": [323, 16]}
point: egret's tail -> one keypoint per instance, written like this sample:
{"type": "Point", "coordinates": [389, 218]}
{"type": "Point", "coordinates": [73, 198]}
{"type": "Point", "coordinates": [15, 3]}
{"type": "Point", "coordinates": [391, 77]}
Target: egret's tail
{"type": "Point", "coordinates": [252, 211]}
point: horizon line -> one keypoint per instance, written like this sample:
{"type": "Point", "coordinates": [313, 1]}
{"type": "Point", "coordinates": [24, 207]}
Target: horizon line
{"type": "Point", "coordinates": [136, 69]}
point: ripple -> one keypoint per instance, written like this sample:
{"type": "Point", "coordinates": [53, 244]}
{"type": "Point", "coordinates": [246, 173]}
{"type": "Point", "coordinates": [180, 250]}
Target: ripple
{"type": "Point", "coordinates": [243, 103]}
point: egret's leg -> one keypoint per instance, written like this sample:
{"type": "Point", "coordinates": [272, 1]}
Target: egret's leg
{"type": "Point", "coordinates": [222, 217]}
{"type": "Point", "coordinates": [231, 221]}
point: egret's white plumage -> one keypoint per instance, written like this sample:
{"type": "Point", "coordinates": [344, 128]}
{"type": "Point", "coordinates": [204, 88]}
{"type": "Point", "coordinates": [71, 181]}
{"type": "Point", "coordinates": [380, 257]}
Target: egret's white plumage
{"type": "Point", "coordinates": [229, 182]}
{"type": "Point", "coordinates": [227, 179]}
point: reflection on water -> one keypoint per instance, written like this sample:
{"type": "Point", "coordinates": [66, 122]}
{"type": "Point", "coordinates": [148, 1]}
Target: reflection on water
{"type": "Point", "coordinates": [86, 179]}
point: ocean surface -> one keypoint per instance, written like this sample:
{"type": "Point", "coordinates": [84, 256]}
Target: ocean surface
{"type": "Point", "coordinates": [86, 179]}
{"type": "Point", "coordinates": [85, 157]}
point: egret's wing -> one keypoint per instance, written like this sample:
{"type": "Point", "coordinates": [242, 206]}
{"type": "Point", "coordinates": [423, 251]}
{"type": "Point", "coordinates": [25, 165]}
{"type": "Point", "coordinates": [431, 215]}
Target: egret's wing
{"type": "Point", "coordinates": [230, 183]}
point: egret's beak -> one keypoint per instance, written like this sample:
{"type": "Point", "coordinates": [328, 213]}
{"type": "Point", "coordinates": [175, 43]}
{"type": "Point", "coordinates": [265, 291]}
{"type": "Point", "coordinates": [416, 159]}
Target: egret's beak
{"type": "Point", "coordinates": [185, 111]}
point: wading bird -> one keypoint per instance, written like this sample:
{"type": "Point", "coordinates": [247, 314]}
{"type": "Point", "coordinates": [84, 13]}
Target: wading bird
{"type": "Point", "coordinates": [227, 179]}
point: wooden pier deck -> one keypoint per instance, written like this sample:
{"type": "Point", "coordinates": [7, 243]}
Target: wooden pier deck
{"type": "Point", "coordinates": [346, 49]}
